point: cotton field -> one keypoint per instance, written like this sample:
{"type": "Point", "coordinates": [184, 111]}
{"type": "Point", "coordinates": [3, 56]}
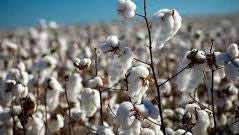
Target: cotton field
{"type": "Point", "coordinates": [143, 75]}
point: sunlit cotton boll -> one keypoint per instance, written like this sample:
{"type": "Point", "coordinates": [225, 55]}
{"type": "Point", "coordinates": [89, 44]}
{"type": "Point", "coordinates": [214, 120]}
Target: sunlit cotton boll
{"type": "Point", "coordinates": [202, 124]}
{"type": "Point", "coordinates": [233, 51]}
{"type": "Point", "coordinates": [95, 82]}
{"type": "Point", "coordinates": [53, 91]}
{"type": "Point", "coordinates": [90, 101]}
{"type": "Point", "coordinates": [138, 81]}
{"type": "Point", "coordinates": [124, 114]}
{"type": "Point", "coordinates": [73, 86]}
{"type": "Point", "coordinates": [126, 8]}
{"type": "Point", "coordinates": [35, 126]}
{"type": "Point", "coordinates": [82, 64]}
{"type": "Point", "coordinates": [165, 24]}
{"type": "Point", "coordinates": [104, 131]}
{"type": "Point", "coordinates": [55, 123]}
{"type": "Point", "coordinates": [191, 77]}
{"type": "Point", "coordinates": [119, 65]}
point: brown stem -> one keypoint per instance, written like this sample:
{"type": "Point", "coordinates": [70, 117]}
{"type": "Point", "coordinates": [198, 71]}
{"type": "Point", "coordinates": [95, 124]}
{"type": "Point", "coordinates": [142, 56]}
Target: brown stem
{"type": "Point", "coordinates": [69, 108]}
{"type": "Point", "coordinates": [152, 67]}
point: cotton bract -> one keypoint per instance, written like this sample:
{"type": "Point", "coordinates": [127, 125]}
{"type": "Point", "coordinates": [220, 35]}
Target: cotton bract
{"type": "Point", "coordinates": [165, 24]}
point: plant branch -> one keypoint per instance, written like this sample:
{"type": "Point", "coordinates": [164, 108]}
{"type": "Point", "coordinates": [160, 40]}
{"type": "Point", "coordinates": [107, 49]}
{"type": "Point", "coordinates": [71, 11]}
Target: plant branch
{"type": "Point", "coordinates": [152, 67]}
{"type": "Point", "coordinates": [68, 104]}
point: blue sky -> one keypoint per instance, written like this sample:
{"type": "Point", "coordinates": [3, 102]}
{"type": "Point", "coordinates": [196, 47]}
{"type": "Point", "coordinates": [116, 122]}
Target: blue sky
{"type": "Point", "coordinates": [14, 13]}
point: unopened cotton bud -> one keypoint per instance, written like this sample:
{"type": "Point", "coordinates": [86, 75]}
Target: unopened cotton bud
{"type": "Point", "coordinates": [95, 82]}
{"type": "Point", "coordinates": [126, 8]}
{"type": "Point", "coordinates": [82, 63]}
{"type": "Point", "coordinates": [165, 24]}
{"type": "Point", "coordinates": [233, 51]}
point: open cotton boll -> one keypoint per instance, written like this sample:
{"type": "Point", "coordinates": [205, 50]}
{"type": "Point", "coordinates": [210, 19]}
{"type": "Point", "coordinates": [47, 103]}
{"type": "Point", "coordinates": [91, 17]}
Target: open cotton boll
{"type": "Point", "coordinates": [148, 109]}
{"type": "Point", "coordinates": [232, 71]}
{"type": "Point", "coordinates": [82, 64]}
{"type": "Point", "coordinates": [73, 87]}
{"type": "Point", "coordinates": [125, 115]}
{"type": "Point", "coordinates": [120, 64]}
{"type": "Point", "coordinates": [6, 92]}
{"type": "Point", "coordinates": [90, 101]}
{"type": "Point", "coordinates": [181, 132]}
{"type": "Point", "coordinates": [53, 91]}
{"type": "Point", "coordinates": [202, 123]}
{"type": "Point", "coordinates": [113, 41]}
{"type": "Point", "coordinates": [221, 58]}
{"type": "Point", "coordinates": [126, 8]}
{"type": "Point", "coordinates": [134, 129]}
{"type": "Point", "coordinates": [77, 114]}
{"type": "Point", "coordinates": [147, 131]}
{"type": "Point", "coordinates": [35, 126]}
{"type": "Point", "coordinates": [233, 51]}
{"type": "Point", "coordinates": [56, 123]}
{"type": "Point", "coordinates": [191, 77]}
{"type": "Point", "coordinates": [191, 108]}
{"type": "Point", "coordinates": [137, 78]}
{"type": "Point", "coordinates": [20, 91]}
{"type": "Point", "coordinates": [165, 24]}
{"type": "Point", "coordinates": [104, 131]}
{"type": "Point", "coordinates": [95, 82]}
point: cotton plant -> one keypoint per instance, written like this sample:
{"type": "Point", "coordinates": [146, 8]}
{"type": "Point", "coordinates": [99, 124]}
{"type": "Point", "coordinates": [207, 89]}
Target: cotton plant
{"type": "Point", "coordinates": [90, 101]}
{"type": "Point", "coordinates": [138, 81]}
{"type": "Point", "coordinates": [126, 9]}
{"type": "Point", "coordinates": [165, 24]}
{"type": "Point", "coordinates": [121, 59]}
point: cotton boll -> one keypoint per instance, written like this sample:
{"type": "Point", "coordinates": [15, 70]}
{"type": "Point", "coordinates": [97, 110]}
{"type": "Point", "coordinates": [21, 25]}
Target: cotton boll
{"type": "Point", "coordinates": [137, 79]}
{"type": "Point", "coordinates": [233, 51]}
{"type": "Point", "coordinates": [147, 131]}
{"type": "Point", "coordinates": [202, 123]}
{"type": "Point", "coordinates": [20, 91]}
{"type": "Point", "coordinates": [53, 91]}
{"type": "Point", "coordinates": [104, 131]}
{"type": "Point", "coordinates": [6, 92]}
{"type": "Point", "coordinates": [35, 126]}
{"type": "Point", "coordinates": [165, 24]}
{"type": "Point", "coordinates": [73, 87]}
{"type": "Point", "coordinates": [153, 111]}
{"type": "Point", "coordinates": [124, 114]}
{"type": "Point", "coordinates": [126, 8]}
{"type": "Point", "coordinates": [95, 82]}
{"type": "Point", "coordinates": [90, 101]}
{"type": "Point", "coordinates": [221, 58]}
{"type": "Point", "coordinates": [181, 131]}
{"type": "Point", "coordinates": [82, 64]}
{"type": "Point", "coordinates": [112, 41]}
{"type": "Point", "coordinates": [192, 108]}
{"type": "Point", "coordinates": [78, 114]}
{"type": "Point", "coordinates": [231, 71]}
{"type": "Point", "coordinates": [191, 77]}
{"type": "Point", "coordinates": [169, 131]}
{"type": "Point", "coordinates": [56, 123]}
